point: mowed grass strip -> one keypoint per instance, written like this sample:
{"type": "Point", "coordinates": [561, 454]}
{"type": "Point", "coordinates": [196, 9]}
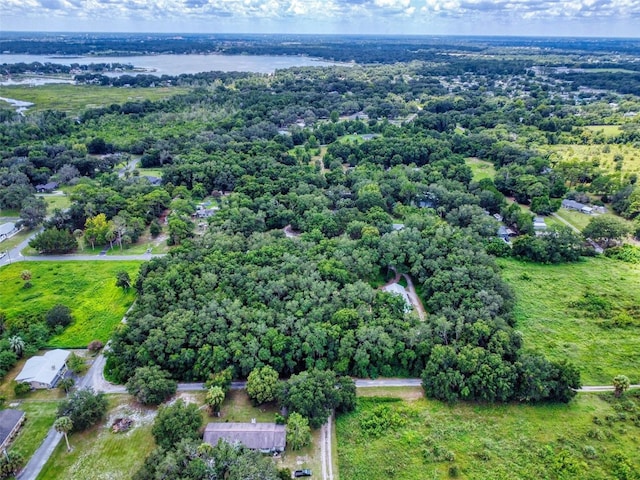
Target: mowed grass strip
{"type": "Point", "coordinates": [587, 312]}
{"type": "Point", "coordinates": [40, 418]}
{"type": "Point", "coordinates": [425, 439]}
{"type": "Point", "coordinates": [98, 453]}
{"type": "Point", "coordinates": [87, 288]}
{"type": "Point", "coordinates": [75, 98]}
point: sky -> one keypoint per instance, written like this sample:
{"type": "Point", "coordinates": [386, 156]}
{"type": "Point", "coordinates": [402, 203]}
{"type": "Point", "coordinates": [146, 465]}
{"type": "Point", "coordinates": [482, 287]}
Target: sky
{"type": "Point", "coordinates": [602, 18]}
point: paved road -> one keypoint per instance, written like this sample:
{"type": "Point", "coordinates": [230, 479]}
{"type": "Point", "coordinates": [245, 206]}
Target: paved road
{"type": "Point", "coordinates": [38, 460]}
{"type": "Point", "coordinates": [14, 254]}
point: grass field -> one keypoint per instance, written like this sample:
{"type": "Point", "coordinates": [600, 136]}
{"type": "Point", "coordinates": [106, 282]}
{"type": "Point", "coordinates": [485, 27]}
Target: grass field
{"type": "Point", "coordinates": [55, 201]}
{"type": "Point", "coordinates": [74, 98]}
{"type": "Point", "coordinates": [87, 288]}
{"type": "Point", "coordinates": [40, 418]}
{"type": "Point", "coordinates": [587, 312]}
{"type": "Point", "coordinates": [423, 439]}
{"type": "Point", "coordinates": [577, 219]}
{"type": "Point", "coordinates": [100, 454]}
{"type": "Point", "coordinates": [598, 155]}
{"type": "Point", "coordinates": [481, 168]}
{"type": "Point", "coordinates": [606, 130]}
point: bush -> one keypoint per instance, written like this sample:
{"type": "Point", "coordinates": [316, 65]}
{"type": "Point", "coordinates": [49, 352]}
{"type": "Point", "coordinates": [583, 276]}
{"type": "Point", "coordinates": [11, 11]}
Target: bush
{"type": "Point", "coordinates": [53, 240]}
{"type": "Point", "coordinates": [95, 346]}
{"type": "Point", "coordinates": [176, 422]}
{"type": "Point", "coordinates": [60, 315]}
{"type": "Point", "coordinates": [76, 364]}
{"type": "Point", "coordinates": [21, 388]}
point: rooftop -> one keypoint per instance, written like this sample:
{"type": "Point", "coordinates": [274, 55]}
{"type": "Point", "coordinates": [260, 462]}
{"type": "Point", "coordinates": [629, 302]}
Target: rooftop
{"type": "Point", "coordinates": [43, 369]}
{"type": "Point", "coordinates": [257, 436]}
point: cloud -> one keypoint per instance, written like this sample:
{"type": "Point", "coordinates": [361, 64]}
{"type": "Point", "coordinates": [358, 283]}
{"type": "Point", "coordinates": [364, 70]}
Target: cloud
{"type": "Point", "coordinates": [393, 15]}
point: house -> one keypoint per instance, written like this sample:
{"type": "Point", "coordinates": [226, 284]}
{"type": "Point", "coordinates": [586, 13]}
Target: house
{"type": "Point", "coordinates": [580, 207]}
{"type": "Point", "coordinates": [154, 181]}
{"type": "Point", "coordinates": [264, 437]}
{"type": "Point", "coordinates": [6, 230]}
{"type": "Point", "coordinates": [586, 209]}
{"type": "Point", "coordinates": [505, 233]}
{"type": "Point", "coordinates": [47, 187]}
{"type": "Point", "coordinates": [539, 224]}
{"type": "Point", "coordinates": [397, 226]}
{"type": "Point", "coordinates": [10, 422]}
{"type": "Point", "coordinates": [44, 371]}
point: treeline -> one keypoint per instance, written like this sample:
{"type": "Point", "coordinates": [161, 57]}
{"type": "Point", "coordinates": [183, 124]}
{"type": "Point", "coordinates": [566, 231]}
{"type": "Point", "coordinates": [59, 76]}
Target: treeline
{"type": "Point", "coordinates": [55, 68]}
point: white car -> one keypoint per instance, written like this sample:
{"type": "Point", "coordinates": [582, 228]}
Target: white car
{"type": "Point", "coordinates": [3, 254]}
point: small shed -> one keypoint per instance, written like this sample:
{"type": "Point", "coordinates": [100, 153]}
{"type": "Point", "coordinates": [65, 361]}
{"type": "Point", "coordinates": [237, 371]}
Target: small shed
{"type": "Point", "coordinates": [539, 224]}
{"type": "Point", "coordinates": [10, 423]}
{"type": "Point", "coordinates": [46, 370]}
{"type": "Point", "coordinates": [264, 437]}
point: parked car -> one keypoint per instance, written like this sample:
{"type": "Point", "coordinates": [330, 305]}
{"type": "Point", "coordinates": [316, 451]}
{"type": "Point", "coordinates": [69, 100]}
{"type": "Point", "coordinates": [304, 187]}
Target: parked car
{"type": "Point", "coordinates": [302, 473]}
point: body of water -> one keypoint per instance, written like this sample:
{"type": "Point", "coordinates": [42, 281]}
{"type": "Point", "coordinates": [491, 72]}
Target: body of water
{"type": "Point", "coordinates": [177, 64]}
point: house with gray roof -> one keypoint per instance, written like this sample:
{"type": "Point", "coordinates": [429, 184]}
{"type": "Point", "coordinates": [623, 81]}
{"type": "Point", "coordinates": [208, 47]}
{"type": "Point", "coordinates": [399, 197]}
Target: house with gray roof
{"type": "Point", "coordinates": [10, 423]}
{"type": "Point", "coordinates": [264, 437]}
{"type": "Point", "coordinates": [46, 370]}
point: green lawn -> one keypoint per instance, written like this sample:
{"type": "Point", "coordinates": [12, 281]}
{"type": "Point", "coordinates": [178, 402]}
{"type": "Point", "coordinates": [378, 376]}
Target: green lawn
{"type": "Point", "coordinates": [100, 454]}
{"type": "Point", "coordinates": [55, 201]}
{"type": "Point", "coordinates": [424, 439]}
{"type": "Point", "coordinates": [87, 288]}
{"type": "Point", "coordinates": [75, 98]}
{"type": "Point", "coordinates": [40, 418]}
{"type": "Point", "coordinates": [577, 219]}
{"type": "Point", "coordinates": [481, 168]}
{"type": "Point", "coordinates": [601, 155]}
{"type": "Point", "coordinates": [607, 130]}
{"type": "Point", "coordinates": [587, 312]}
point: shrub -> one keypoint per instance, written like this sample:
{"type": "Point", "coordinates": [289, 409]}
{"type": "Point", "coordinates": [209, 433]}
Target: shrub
{"type": "Point", "coordinates": [151, 385]}
{"type": "Point", "coordinates": [21, 388]}
{"type": "Point", "coordinates": [84, 407]}
{"type": "Point", "coordinates": [95, 346]}
{"type": "Point", "coordinates": [60, 315]}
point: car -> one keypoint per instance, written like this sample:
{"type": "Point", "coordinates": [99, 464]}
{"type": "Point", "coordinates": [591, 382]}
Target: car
{"type": "Point", "coordinates": [2, 254]}
{"type": "Point", "coordinates": [302, 473]}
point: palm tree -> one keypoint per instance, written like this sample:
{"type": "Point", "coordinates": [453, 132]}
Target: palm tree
{"type": "Point", "coordinates": [64, 425]}
{"type": "Point", "coordinates": [214, 399]}
{"type": "Point", "coordinates": [16, 343]}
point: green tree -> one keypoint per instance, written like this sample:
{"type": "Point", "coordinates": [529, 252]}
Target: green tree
{"type": "Point", "coordinates": [298, 431]}
{"type": "Point", "coordinates": [151, 385]}
{"type": "Point", "coordinates": [221, 379]}
{"type": "Point", "coordinates": [176, 422]}
{"type": "Point", "coordinates": [605, 229]}
{"type": "Point", "coordinates": [123, 280]}
{"type": "Point", "coordinates": [66, 384]}
{"type": "Point", "coordinates": [33, 211]}
{"type": "Point", "coordinates": [215, 397]}
{"type": "Point", "coordinates": [60, 315]}
{"type": "Point", "coordinates": [64, 425]}
{"type": "Point", "coordinates": [53, 240]}
{"type": "Point", "coordinates": [621, 384]}
{"type": "Point", "coordinates": [10, 464]}
{"type": "Point", "coordinates": [96, 229]}
{"type": "Point", "coordinates": [262, 385]}
{"type": "Point", "coordinates": [84, 407]}
{"type": "Point", "coordinates": [76, 363]}
{"type": "Point", "coordinates": [315, 393]}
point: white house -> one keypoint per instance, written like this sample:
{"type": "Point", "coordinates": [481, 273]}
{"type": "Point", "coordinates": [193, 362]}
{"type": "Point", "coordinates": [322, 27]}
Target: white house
{"type": "Point", "coordinates": [264, 437]}
{"type": "Point", "coordinates": [44, 371]}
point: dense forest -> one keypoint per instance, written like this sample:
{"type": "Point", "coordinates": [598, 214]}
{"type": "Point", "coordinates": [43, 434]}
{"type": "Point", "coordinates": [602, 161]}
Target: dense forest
{"type": "Point", "coordinates": [327, 182]}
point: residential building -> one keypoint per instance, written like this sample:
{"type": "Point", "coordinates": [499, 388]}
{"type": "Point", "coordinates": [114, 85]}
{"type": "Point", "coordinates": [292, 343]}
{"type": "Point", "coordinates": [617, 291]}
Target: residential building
{"type": "Point", "coordinates": [264, 437]}
{"type": "Point", "coordinates": [46, 370]}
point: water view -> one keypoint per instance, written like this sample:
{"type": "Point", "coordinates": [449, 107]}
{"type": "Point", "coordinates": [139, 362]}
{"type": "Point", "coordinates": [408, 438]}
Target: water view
{"type": "Point", "coordinates": [178, 64]}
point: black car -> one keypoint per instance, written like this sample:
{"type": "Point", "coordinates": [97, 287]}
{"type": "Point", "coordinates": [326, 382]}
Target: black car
{"type": "Point", "coordinates": [302, 473]}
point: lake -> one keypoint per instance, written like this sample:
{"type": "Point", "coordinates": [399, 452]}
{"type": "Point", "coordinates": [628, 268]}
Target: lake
{"type": "Point", "coordinates": [177, 64]}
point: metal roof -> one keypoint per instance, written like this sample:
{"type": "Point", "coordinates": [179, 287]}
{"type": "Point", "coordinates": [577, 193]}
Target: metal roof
{"type": "Point", "coordinates": [257, 436]}
{"type": "Point", "coordinates": [43, 369]}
